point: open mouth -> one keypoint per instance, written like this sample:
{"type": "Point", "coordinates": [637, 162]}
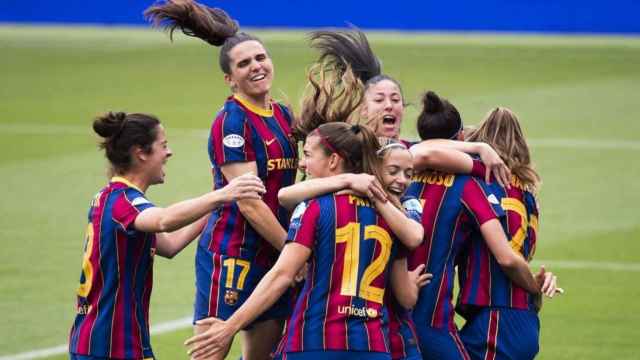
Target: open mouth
{"type": "Point", "coordinates": [389, 120]}
{"type": "Point", "coordinates": [258, 77]}
{"type": "Point", "coordinates": [397, 191]}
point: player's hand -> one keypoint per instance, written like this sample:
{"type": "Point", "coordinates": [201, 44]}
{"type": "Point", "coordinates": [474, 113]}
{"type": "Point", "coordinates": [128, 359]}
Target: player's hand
{"type": "Point", "coordinates": [495, 166]}
{"type": "Point", "coordinates": [247, 186]}
{"type": "Point", "coordinates": [216, 339]}
{"type": "Point", "coordinates": [367, 185]}
{"type": "Point", "coordinates": [301, 275]}
{"type": "Point", "coordinates": [418, 277]}
{"type": "Point", "coordinates": [548, 283]}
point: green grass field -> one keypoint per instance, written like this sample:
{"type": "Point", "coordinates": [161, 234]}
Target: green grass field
{"type": "Point", "coordinates": [576, 96]}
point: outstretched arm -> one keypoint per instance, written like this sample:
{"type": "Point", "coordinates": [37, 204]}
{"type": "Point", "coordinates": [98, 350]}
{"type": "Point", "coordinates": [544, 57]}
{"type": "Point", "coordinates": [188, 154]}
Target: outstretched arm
{"type": "Point", "coordinates": [365, 184]}
{"type": "Point", "coordinates": [440, 154]}
{"type": "Point", "coordinates": [256, 211]}
{"type": "Point", "coordinates": [171, 218]}
{"type": "Point", "coordinates": [514, 265]}
{"type": "Point", "coordinates": [170, 244]}
{"type": "Point", "coordinates": [266, 293]}
{"type": "Point", "coordinates": [408, 231]}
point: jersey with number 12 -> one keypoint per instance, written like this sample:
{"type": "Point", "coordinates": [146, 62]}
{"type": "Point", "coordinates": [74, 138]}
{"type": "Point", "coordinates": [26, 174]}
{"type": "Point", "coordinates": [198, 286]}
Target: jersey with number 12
{"type": "Point", "coordinates": [340, 306]}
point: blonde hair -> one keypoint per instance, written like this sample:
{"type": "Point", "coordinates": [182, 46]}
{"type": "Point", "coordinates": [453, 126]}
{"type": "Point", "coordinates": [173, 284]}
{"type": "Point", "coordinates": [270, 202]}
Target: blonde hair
{"type": "Point", "coordinates": [501, 129]}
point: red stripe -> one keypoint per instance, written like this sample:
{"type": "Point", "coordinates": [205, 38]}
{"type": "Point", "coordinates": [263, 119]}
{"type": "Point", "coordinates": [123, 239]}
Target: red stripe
{"type": "Point", "coordinates": [214, 292]}
{"type": "Point", "coordinates": [117, 321]}
{"type": "Point", "coordinates": [492, 335]}
{"type": "Point", "coordinates": [86, 327]}
{"type": "Point", "coordinates": [335, 331]}
{"type": "Point", "coordinates": [460, 345]}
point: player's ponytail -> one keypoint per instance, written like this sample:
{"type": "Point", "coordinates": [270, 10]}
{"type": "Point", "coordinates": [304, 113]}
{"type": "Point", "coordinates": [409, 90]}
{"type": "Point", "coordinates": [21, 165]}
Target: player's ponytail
{"type": "Point", "coordinates": [501, 129]}
{"type": "Point", "coordinates": [331, 96]}
{"type": "Point", "coordinates": [346, 49]}
{"type": "Point", "coordinates": [439, 119]}
{"type": "Point", "coordinates": [212, 25]}
{"type": "Point", "coordinates": [121, 132]}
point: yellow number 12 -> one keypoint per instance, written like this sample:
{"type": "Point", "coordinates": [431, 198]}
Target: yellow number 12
{"type": "Point", "coordinates": [350, 235]}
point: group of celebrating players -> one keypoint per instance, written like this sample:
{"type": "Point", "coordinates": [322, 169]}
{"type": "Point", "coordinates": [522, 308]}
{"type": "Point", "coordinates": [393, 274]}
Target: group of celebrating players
{"type": "Point", "coordinates": [356, 261]}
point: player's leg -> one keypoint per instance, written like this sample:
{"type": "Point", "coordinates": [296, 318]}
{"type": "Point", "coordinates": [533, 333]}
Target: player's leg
{"type": "Point", "coordinates": [440, 344]}
{"type": "Point", "coordinates": [260, 340]}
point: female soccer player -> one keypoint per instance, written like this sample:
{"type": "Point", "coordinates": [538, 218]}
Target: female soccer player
{"type": "Point", "coordinates": [396, 173]}
{"type": "Point", "coordinates": [349, 247]}
{"type": "Point", "coordinates": [124, 233]}
{"type": "Point", "coordinates": [455, 207]}
{"type": "Point", "coordinates": [251, 133]}
{"type": "Point", "coordinates": [383, 107]}
{"type": "Point", "coordinates": [502, 321]}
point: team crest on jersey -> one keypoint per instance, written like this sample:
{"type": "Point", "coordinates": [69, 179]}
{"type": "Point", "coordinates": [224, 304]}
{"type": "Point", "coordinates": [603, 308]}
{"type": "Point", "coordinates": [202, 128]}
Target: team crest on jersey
{"type": "Point", "coordinates": [233, 141]}
{"type": "Point", "coordinates": [412, 204]}
{"type": "Point", "coordinates": [230, 297]}
{"type": "Point", "coordinates": [493, 199]}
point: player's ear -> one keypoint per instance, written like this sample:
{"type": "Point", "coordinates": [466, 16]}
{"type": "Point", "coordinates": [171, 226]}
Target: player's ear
{"type": "Point", "coordinates": [138, 154]}
{"type": "Point", "coordinates": [334, 162]}
{"type": "Point", "coordinates": [229, 81]}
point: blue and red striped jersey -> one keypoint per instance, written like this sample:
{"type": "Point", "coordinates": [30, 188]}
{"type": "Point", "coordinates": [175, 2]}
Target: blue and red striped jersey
{"type": "Point", "coordinates": [243, 133]}
{"type": "Point", "coordinates": [340, 306]}
{"type": "Point", "coordinates": [482, 281]}
{"type": "Point", "coordinates": [453, 205]}
{"type": "Point", "coordinates": [403, 340]}
{"type": "Point", "coordinates": [112, 318]}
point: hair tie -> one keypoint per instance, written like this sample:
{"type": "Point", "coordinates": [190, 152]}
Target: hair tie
{"type": "Point", "coordinates": [325, 142]}
{"type": "Point", "coordinates": [356, 128]}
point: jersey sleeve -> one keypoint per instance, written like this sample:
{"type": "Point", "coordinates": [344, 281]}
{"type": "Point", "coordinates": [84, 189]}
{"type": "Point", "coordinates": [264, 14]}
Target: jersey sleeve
{"type": "Point", "coordinates": [412, 208]}
{"type": "Point", "coordinates": [532, 231]}
{"type": "Point", "coordinates": [477, 202]}
{"type": "Point", "coordinates": [230, 138]}
{"type": "Point", "coordinates": [127, 206]}
{"type": "Point", "coordinates": [303, 224]}
{"type": "Point", "coordinates": [478, 169]}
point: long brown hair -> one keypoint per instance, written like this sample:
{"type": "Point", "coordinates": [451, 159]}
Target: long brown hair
{"type": "Point", "coordinates": [332, 95]}
{"type": "Point", "coordinates": [212, 25]}
{"type": "Point", "coordinates": [501, 129]}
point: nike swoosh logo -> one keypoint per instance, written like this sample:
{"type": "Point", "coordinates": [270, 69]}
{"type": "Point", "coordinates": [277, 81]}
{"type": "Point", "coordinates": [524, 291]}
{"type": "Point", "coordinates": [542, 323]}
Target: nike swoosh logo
{"type": "Point", "coordinates": [269, 142]}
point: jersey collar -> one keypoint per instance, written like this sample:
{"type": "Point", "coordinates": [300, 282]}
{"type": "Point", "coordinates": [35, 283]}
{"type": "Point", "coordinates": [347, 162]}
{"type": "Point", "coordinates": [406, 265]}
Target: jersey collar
{"type": "Point", "coordinates": [256, 109]}
{"type": "Point", "coordinates": [120, 179]}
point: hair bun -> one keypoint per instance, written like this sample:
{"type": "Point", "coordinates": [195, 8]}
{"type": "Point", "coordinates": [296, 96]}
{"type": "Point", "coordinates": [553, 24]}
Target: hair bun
{"type": "Point", "coordinates": [109, 124]}
{"type": "Point", "coordinates": [432, 103]}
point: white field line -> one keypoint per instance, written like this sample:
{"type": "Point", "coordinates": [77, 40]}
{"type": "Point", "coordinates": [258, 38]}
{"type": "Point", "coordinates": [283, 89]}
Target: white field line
{"type": "Point", "coordinates": [161, 328]}
{"type": "Point", "coordinates": [185, 322]}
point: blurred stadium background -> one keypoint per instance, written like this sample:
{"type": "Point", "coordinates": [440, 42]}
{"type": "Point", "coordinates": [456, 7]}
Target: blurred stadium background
{"type": "Point", "coordinates": [576, 94]}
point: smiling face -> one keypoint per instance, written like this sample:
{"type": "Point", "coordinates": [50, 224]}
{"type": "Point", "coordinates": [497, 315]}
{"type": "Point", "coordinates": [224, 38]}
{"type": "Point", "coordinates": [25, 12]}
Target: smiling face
{"type": "Point", "coordinates": [315, 162]}
{"type": "Point", "coordinates": [397, 170]}
{"type": "Point", "coordinates": [251, 72]}
{"type": "Point", "coordinates": [385, 107]}
{"type": "Point", "coordinates": [157, 158]}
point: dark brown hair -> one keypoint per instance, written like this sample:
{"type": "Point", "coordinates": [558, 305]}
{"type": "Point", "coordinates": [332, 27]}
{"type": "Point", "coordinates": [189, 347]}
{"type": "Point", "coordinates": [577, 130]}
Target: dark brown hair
{"type": "Point", "coordinates": [501, 129]}
{"type": "Point", "coordinates": [355, 144]}
{"type": "Point", "coordinates": [439, 119]}
{"type": "Point", "coordinates": [212, 25]}
{"type": "Point", "coordinates": [351, 48]}
{"type": "Point", "coordinates": [121, 132]}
